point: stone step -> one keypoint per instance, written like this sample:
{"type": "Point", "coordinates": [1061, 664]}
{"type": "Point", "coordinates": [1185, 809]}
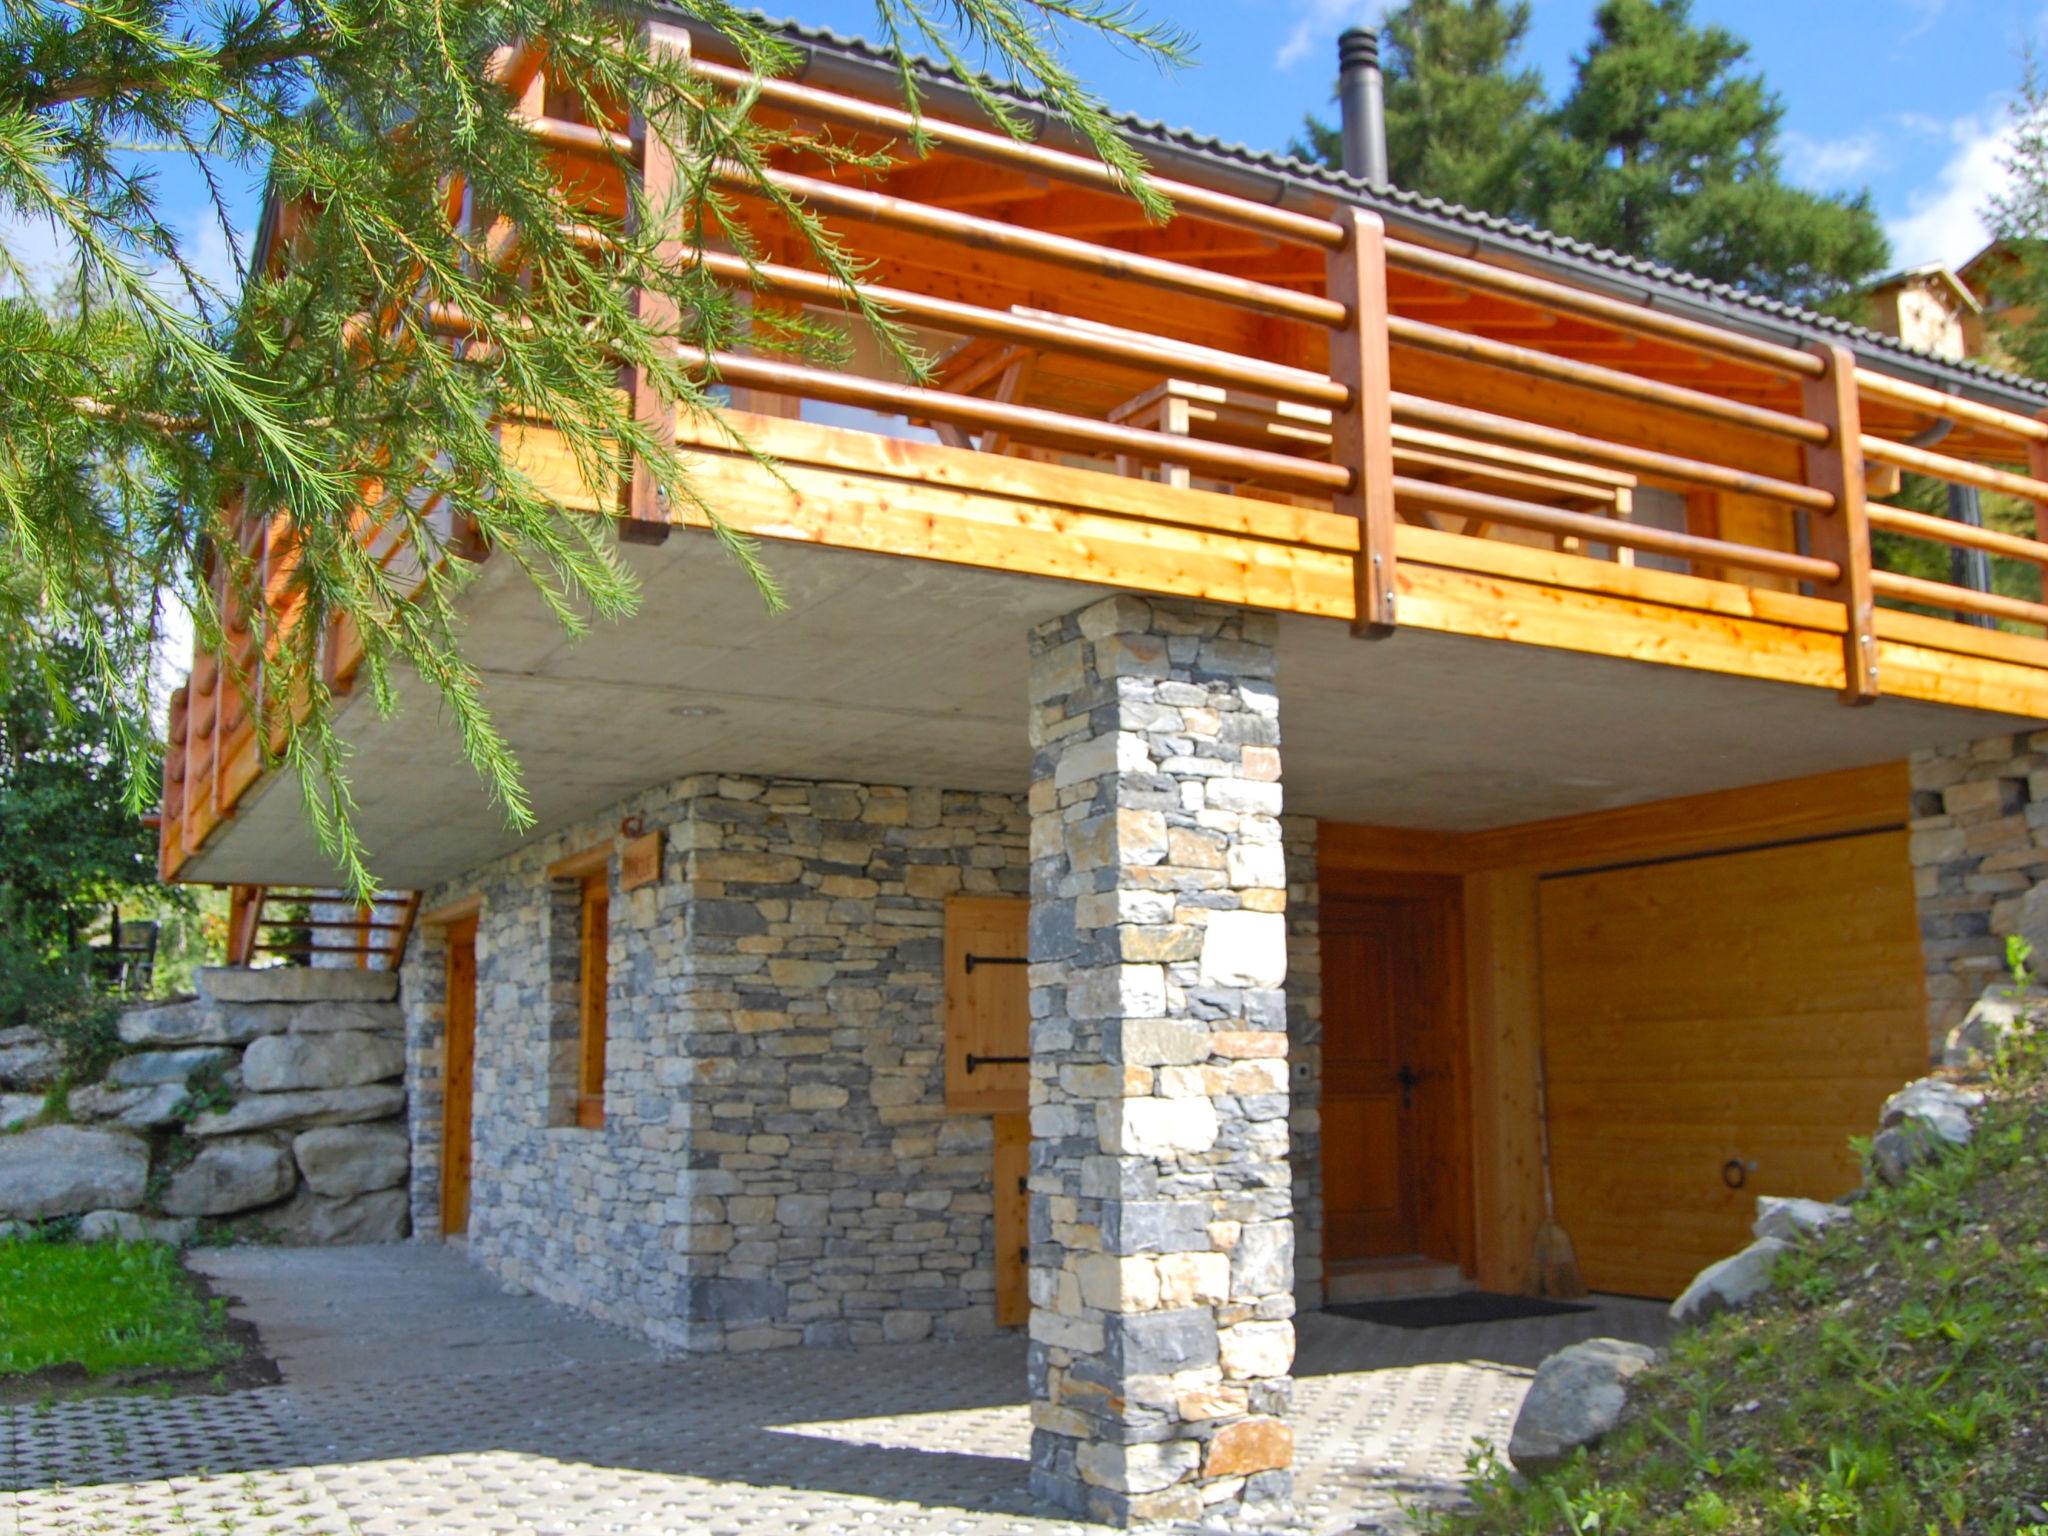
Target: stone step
{"type": "Point", "coordinates": [296, 984]}
{"type": "Point", "coordinates": [1389, 1279]}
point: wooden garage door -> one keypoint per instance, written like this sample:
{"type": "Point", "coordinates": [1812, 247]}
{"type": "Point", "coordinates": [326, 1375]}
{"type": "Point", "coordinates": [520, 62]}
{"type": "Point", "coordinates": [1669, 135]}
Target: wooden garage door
{"type": "Point", "coordinates": [1752, 1007]}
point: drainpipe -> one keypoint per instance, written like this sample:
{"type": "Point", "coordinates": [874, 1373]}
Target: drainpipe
{"type": "Point", "coordinates": [1361, 104]}
{"type": "Point", "coordinates": [1969, 567]}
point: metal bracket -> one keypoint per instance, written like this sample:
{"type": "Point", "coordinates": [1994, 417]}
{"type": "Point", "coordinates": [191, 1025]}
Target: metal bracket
{"type": "Point", "coordinates": [974, 1061]}
{"type": "Point", "coordinates": [974, 960]}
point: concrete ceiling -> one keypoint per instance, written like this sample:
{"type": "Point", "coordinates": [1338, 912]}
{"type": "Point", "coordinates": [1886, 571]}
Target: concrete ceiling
{"type": "Point", "coordinates": [904, 671]}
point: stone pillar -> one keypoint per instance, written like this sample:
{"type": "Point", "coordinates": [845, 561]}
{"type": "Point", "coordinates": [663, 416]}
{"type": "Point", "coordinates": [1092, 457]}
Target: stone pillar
{"type": "Point", "coordinates": [1161, 1232]}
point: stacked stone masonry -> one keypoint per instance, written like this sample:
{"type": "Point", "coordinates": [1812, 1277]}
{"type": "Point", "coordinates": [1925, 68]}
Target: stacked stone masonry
{"type": "Point", "coordinates": [1162, 1257]}
{"type": "Point", "coordinates": [1979, 846]}
{"type": "Point", "coordinates": [776, 1165]}
{"type": "Point", "coordinates": [270, 1105]}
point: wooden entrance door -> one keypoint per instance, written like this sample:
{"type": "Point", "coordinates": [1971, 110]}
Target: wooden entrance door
{"type": "Point", "coordinates": [1394, 1155]}
{"type": "Point", "coordinates": [458, 1075]}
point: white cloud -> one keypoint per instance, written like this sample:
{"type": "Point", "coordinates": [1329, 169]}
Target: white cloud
{"type": "Point", "coordinates": [1316, 25]}
{"type": "Point", "coordinates": [1828, 163]}
{"type": "Point", "coordinates": [1944, 220]}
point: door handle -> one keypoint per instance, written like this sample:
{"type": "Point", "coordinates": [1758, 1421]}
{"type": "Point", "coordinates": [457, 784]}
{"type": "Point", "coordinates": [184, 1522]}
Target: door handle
{"type": "Point", "coordinates": [1408, 1078]}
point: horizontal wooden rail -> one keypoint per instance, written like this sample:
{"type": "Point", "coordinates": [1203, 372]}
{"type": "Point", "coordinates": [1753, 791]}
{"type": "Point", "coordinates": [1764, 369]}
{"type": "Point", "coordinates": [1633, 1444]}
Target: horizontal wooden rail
{"type": "Point", "coordinates": [977, 233]}
{"type": "Point", "coordinates": [1620, 313]}
{"type": "Point", "coordinates": [1945, 530]}
{"type": "Point", "coordinates": [1446, 342]}
{"type": "Point", "coordinates": [1083, 433]}
{"type": "Point", "coordinates": [1147, 354]}
{"type": "Point", "coordinates": [1940, 594]}
{"type": "Point", "coordinates": [1944, 466]}
{"type": "Point", "coordinates": [1037, 159]}
{"type": "Point", "coordinates": [1670, 466]}
{"type": "Point", "coordinates": [1605, 530]}
{"type": "Point", "coordinates": [1882, 386]}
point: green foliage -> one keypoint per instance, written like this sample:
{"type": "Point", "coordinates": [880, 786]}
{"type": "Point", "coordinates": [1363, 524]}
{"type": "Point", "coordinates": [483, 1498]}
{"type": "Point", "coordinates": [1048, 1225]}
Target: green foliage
{"type": "Point", "coordinates": [144, 408]}
{"type": "Point", "coordinates": [70, 836]}
{"type": "Point", "coordinates": [1891, 1386]}
{"type": "Point", "coordinates": [1460, 115]}
{"type": "Point", "coordinates": [57, 997]}
{"type": "Point", "coordinates": [106, 1307]}
{"type": "Point", "coordinates": [1661, 148]}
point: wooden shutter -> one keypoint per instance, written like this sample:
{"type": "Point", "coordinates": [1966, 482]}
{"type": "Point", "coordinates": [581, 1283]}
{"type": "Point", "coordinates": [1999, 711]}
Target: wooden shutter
{"type": "Point", "coordinates": [988, 1005]}
{"type": "Point", "coordinates": [1013, 1220]}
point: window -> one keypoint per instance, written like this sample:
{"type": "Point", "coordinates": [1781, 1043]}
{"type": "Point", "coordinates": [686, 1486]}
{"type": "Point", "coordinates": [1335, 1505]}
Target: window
{"type": "Point", "coordinates": [579, 978]}
{"type": "Point", "coordinates": [593, 939]}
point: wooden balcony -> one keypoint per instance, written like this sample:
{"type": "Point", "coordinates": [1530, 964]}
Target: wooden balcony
{"type": "Point", "coordinates": [1301, 405]}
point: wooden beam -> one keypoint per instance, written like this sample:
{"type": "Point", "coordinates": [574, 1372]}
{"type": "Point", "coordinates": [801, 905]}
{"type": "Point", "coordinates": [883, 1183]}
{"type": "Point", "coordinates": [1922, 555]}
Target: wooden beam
{"type": "Point", "coordinates": [1504, 1028]}
{"type": "Point", "coordinates": [1843, 535]}
{"type": "Point", "coordinates": [1364, 433]}
{"type": "Point", "coordinates": [656, 199]}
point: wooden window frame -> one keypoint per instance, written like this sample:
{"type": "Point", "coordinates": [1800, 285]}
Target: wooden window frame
{"type": "Point", "coordinates": [593, 944]}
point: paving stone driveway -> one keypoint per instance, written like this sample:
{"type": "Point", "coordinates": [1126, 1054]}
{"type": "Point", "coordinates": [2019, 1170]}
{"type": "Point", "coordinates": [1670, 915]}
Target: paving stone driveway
{"type": "Point", "coordinates": [419, 1400]}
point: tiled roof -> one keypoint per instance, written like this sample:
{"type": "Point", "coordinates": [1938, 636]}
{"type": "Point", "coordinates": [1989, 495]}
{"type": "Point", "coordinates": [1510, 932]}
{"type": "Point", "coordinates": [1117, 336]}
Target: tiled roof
{"type": "Point", "coordinates": [1589, 262]}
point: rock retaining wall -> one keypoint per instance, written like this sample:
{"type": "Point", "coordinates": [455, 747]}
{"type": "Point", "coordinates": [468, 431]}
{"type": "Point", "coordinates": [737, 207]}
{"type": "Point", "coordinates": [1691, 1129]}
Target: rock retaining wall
{"type": "Point", "coordinates": [270, 1105]}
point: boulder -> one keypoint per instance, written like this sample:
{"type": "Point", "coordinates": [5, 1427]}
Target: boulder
{"type": "Point", "coordinates": [67, 1170]}
{"type": "Point", "coordinates": [1733, 1283]}
{"type": "Point", "coordinates": [133, 1227]}
{"type": "Point", "coordinates": [297, 984]}
{"type": "Point", "coordinates": [281, 1063]}
{"type": "Point", "coordinates": [307, 1219]}
{"type": "Point", "coordinates": [18, 1109]}
{"type": "Point", "coordinates": [1576, 1399]}
{"type": "Point", "coordinates": [343, 1160]}
{"type": "Point", "coordinates": [148, 1068]}
{"type": "Point", "coordinates": [2003, 1011]}
{"type": "Point", "coordinates": [298, 1111]}
{"type": "Point", "coordinates": [141, 1109]}
{"type": "Point", "coordinates": [195, 1023]}
{"type": "Point", "coordinates": [33, 1062]}
{"type": "Point", "coordinates": [235, 1173]}
{"type": "Point", "coordinates": [1895, 1153]}
{"type": "Point", "coordinates": [1941, 1106]}
{"type": "Point", "coordinates": [1791, 1219]}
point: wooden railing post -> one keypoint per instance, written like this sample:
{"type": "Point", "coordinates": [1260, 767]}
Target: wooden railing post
{"type": "Point", "coordinates": [1363, 432]}
{"type": "Point", "coordinates": [1843, 535]}
{"type": "Point", "coordinates": [647, 518]}
{"type": "Point", "coordinates": [2037, 468]}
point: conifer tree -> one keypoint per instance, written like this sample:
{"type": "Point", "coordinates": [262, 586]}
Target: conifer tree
{"type": "Point", "coordinates": [1664, 149]}
{"type": "Point", "coordinates": [1460, 112]}
{"type": "Point", "coordinates": [146, 407]}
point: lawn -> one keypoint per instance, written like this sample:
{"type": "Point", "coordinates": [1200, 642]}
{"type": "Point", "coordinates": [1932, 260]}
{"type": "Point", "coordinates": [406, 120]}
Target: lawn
{"type": "Point", "coordinates": [109, 1309]}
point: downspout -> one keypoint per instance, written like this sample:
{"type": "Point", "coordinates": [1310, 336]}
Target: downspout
{"type": "Point", "coordinates": [1362, 106]}
{"type": "Point", "coordinates": [1969, 568]}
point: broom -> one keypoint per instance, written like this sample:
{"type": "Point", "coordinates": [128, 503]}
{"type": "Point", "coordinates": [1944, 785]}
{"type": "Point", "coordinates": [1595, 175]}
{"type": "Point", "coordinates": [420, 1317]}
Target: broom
{"type": "Point", "coordinates": [1552, 1259]}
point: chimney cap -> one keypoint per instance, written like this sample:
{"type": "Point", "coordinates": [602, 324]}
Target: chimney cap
{"type": "Point", "coordinates": [1357, 45]}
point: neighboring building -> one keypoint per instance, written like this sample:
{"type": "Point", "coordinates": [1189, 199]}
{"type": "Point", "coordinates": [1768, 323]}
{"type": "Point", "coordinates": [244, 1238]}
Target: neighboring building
{"type": "Point", "coordinates": [1929, 308]}
{"type": "Point", "coordinates": [1063, 918]}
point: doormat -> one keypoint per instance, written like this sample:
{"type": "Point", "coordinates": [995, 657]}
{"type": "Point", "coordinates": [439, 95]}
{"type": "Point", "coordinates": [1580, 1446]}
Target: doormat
{"type": "Point", "coordinates": [1454, 1308]}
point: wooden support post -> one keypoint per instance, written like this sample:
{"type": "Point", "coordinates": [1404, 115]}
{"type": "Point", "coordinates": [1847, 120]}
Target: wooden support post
{"type": "Point", "coordinates": [2037, 468]}
{"type": "Point", "coordinates": [1364, 431]}
{"type": "Point", "coordinates": [1843, 535]}
{"type": "Point", "coordinates": [245, 917]}
{"type": "Point", "coordinates": [645, 510]}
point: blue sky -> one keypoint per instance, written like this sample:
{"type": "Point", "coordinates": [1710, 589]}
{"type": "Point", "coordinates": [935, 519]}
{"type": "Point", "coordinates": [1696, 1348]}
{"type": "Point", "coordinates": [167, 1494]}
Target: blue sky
{"type": "Point", "coordinates": [1906, 97]}
{"type": "Point", "coordinates": [1903, 96]}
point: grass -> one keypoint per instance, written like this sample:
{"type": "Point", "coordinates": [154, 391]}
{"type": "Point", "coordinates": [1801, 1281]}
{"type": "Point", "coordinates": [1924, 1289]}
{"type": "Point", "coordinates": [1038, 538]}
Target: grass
{"type": "Point", "coordinates": [1896, 1383]}
{"type": "Point", "coordinates": [104, 1308]}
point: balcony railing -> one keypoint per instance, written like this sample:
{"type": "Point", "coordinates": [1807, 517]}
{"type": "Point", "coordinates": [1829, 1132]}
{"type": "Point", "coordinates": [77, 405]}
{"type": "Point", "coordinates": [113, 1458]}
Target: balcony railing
{"type": "Point", "coordinates": [1312, 359]}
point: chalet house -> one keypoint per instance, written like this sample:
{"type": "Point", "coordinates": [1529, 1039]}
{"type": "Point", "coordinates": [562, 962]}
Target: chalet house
{"type": "Point", "coordinates": [1336, 727]}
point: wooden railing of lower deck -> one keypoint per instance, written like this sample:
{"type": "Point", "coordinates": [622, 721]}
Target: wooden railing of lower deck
{"type": "Point", "coordinates": [1298, 361]}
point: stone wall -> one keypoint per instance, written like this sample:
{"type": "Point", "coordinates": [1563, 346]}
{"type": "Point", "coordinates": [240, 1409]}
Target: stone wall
{"type": "Point", "coordinates": [1979, 848]}
{"type": "Point", "coordinates": [270, 1105]}
{"type": "Point", "coordinates": [1305, 1055]}
{"type": "Point", "coordinates": [776, 1164]}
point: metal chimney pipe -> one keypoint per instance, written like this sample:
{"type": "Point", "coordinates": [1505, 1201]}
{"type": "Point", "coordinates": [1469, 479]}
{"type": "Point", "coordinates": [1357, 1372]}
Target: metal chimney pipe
{"type": "Point", "coordinates": [1361, 105]}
